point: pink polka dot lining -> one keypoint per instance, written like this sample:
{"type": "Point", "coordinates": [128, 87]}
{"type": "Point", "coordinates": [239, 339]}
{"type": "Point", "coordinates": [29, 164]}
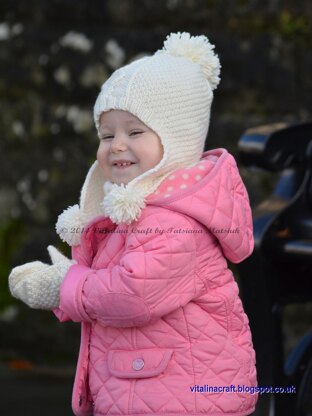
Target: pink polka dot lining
{"type": "Point", "coordinates": [183, 178]}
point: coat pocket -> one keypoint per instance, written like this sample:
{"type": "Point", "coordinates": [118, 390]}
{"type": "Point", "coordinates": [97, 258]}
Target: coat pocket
{"type": "Point", "coordinates": [142, 363]}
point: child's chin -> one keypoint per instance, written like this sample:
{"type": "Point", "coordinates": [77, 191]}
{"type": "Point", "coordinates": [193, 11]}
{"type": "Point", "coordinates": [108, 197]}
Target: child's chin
{"type": "Point", "coordinates": [124, 181]}
{"type": "Point", "coordinates": [121, 182]}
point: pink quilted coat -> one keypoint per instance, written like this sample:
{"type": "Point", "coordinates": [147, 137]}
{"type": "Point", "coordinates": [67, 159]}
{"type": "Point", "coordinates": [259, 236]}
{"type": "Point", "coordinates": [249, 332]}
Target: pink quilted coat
{"type": "Point", "coordinates": [159, 307]}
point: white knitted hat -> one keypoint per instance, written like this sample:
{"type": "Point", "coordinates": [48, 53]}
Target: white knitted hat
{"type": "Point", "coordinates": [171, 92]}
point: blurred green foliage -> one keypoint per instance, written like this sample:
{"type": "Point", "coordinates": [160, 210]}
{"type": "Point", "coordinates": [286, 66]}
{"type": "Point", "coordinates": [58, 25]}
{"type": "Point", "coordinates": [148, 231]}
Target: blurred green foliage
{"type": "Point", "coordinates": [12, 234]}
{"type": "Point", "coordinates": [294, 27]}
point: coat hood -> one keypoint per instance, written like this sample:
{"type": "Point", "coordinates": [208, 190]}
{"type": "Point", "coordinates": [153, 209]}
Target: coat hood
{"type": "Point", "coordinates": [213, 193]}
{"type": "Point", "coordinates": [210, 191]}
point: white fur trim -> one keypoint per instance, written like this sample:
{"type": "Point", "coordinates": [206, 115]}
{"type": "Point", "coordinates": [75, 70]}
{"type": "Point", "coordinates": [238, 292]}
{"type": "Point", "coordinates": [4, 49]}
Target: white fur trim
{"type": "Point", "coordinates": [121, 204]}
{"type": "Point", "coordinates": [70, 225]}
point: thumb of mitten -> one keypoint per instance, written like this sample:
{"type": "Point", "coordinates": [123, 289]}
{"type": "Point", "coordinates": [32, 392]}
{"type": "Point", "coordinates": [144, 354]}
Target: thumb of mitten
{"type": "Point", "coordinates": [61, 262]}
{"type": "Point", "coordinates": [56, 256]}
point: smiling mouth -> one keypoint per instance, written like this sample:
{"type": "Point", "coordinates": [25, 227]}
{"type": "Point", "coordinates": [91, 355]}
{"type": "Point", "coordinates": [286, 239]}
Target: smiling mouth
{"type": "Point", "coordinates": [123, 165]}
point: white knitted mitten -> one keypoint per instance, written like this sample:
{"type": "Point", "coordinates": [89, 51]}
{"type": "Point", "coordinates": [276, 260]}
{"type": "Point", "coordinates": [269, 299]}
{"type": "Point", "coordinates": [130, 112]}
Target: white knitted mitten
{"type": "Point", "coordinates": [38, 284]}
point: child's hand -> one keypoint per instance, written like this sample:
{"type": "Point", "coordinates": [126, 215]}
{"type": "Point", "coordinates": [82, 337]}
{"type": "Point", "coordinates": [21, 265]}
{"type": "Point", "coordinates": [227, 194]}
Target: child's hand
{"type": "Point", "coordinates": [38, 284]}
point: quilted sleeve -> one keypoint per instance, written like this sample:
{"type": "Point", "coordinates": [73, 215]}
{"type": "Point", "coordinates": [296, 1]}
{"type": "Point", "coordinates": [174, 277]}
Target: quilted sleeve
{"type": "Point", "coordinates": [154, 276]}
{"type": "Point", "coordinates": [77, 255]}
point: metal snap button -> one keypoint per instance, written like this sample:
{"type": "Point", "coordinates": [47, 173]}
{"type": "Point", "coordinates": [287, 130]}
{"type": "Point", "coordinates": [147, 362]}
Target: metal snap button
{"type": "Point", "coordinates": [138, 364]}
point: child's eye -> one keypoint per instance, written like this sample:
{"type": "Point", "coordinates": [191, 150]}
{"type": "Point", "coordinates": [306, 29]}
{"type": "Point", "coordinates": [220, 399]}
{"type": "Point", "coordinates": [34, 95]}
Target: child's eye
{"type": "Point", "coordinates": [106, 137]}
{"type": "Point", "coordinates": [136, 132]}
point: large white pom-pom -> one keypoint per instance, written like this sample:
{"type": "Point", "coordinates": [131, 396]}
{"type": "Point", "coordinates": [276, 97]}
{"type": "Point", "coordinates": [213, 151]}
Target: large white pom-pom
{"type": "Point", "coordinates": [121, 204]}
{"type": "Point", "coordinates": [197, 49]}
{"type": "Point", "coordinates": [70, 225]}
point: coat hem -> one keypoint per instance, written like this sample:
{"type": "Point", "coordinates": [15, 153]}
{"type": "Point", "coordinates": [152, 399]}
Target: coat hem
{"type": "Point", "coordinates": [244, 413]}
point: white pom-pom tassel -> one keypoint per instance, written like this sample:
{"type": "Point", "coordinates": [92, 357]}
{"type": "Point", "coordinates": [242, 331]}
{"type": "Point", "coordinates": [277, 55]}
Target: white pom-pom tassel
{"type": "Point", "coordinates": [70, 225]}
{"type": "Point", "coordinates": [196, 49]}
{"type": "Point", "coordinates": [121, 204]}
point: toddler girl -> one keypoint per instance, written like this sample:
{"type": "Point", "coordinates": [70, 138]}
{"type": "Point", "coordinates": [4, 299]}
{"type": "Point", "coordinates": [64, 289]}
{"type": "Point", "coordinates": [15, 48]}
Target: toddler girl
{"type": "Point", "coordinates": [163, 328]}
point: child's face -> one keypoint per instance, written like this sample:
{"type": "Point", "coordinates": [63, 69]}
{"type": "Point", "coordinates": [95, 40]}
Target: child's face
{"type": "Point", "coordinates": [124, 137]}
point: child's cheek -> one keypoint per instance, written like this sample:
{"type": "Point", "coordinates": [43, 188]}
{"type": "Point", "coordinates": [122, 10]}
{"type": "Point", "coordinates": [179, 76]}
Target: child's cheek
{"type": "Point", "coordinates": [102, 154]}
{"type": "Point", "coordinates": [103, 165]}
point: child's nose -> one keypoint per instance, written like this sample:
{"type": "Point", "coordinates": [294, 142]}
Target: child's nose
{"type": "Point", "coordinates": [119, 143]}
